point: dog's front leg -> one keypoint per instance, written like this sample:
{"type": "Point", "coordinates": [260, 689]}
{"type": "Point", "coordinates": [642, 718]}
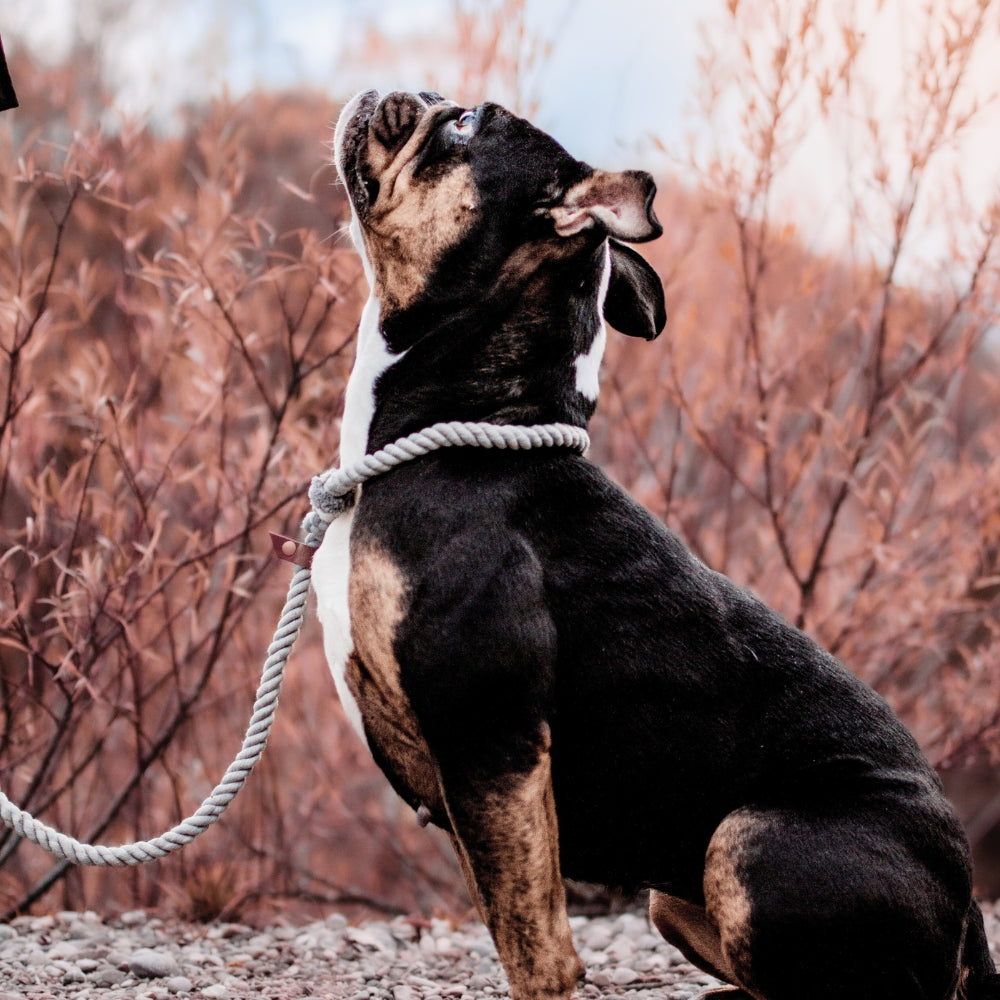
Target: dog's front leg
{"type": "Point", "coordinates": [478, 650]}
{"type": "Point", "coordinates": [505, 832]}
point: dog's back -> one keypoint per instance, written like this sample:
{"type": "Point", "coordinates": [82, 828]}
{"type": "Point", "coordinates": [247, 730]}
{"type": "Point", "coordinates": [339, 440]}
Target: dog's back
{"type": "Point", "coordinates": [688, 721]}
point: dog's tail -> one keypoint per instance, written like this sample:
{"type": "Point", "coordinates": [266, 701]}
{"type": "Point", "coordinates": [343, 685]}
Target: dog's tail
{"type": "Point", "coordinates": [979, 979]}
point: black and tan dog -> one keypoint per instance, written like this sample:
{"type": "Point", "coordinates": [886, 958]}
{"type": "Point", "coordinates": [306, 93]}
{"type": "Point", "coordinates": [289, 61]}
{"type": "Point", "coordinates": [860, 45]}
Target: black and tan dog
{"type": "Point", "coordinates": [543, 669]}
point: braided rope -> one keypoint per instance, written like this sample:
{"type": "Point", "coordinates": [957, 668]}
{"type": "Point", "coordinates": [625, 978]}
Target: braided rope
{"type": "Point", "coordinates": [331, 494]}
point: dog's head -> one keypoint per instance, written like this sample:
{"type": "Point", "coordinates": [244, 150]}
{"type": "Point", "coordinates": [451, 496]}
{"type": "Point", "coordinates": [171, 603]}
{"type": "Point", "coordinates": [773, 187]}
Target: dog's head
{"type": "Point", "coordinates": [451, 203]}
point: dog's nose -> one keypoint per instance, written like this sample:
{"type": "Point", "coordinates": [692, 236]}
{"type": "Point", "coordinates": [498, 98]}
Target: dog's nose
{"type": "Point", "coordinates": [396, 118]}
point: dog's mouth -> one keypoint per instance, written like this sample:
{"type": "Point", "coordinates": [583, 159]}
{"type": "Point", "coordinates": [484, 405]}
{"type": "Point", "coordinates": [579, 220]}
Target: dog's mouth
{"type": "Point", "coordinates": [350, 145]}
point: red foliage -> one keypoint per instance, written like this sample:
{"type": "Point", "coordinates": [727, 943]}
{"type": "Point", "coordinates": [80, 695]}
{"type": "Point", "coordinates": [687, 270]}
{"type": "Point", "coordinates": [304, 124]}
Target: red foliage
{"type": "Point", "coordinates": [176, 322]}
{"type": "Point", "coordinates": [174, 356]}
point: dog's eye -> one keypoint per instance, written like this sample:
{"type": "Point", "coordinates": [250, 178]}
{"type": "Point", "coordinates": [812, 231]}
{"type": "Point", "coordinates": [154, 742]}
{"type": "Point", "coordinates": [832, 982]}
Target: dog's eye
{"type": "Point", "coordinates": [462, 127]}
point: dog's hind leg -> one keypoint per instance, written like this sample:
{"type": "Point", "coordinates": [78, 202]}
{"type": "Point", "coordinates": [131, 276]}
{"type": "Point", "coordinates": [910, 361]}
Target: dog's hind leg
{"type": "Point", "coordinates": [979, 979]}
{"type": "Point", "coordinates": [504, 829]}
{"type": "Point", "coordinates": [863, 903]}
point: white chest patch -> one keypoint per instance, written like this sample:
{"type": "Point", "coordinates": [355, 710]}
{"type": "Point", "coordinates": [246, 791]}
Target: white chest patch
{"type": "Point", "coordinates": [588, 365]}
{"type": "Point", "coordinates": [331, 572]}
{"type": "Point", "coordinates": [331, 567]}
{"type": "Point", "coordinates": [372, 358]}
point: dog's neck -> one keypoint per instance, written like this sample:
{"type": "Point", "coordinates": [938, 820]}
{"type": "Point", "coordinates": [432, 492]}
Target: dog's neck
{"type": "Point", "coordinates": [528, 352]}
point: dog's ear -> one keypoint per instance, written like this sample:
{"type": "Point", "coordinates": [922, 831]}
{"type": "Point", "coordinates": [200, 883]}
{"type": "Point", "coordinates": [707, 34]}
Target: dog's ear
{"type": "Point", "coordinates": [621, 203]}
{"type": "Point", "coordinates": [634, 303]}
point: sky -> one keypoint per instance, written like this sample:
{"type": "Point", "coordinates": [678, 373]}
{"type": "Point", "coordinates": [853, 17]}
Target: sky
{"type": "Point", "coordinates": [619, 74]}
{"type": "Point", "coordinates": [617, 71]}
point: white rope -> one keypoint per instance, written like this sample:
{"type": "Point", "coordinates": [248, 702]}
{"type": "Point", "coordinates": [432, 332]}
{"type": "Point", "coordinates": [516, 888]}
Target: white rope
{"type": "Point", "coordinates": [331, 493]}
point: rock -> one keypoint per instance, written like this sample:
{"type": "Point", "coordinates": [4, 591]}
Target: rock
{"type": "Point", "coordinates": [153, 993]}
{"type": "Point", "coordinates": [597, 937]}
{"type": "Point", "coordinates": [621, 949]}
{"type": "Point", "coordinates": [64, 950]}
{"type": "Point", "coordinates": [162, 959]}
{"type": "Point", "coordinates": [119, 958]}
{"type": "Point", "coordinates": [108, 978]}
{"type": "Point", "coordinates": [149, 964]}
{"type": "Point", "coordinates": [622, 976]}
{"type": "Point", "coordinates": [373, 937]}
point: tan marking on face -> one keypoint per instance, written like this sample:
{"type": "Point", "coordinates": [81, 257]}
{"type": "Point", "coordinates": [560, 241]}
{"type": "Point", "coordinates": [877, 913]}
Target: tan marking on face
{"type": "Point", "coordinates": [378, 597]}
{"type": "Point", "coordinates": [393, 166]}
{"type": "Point", "coordinates": [508, 845]}
{"type": "Point", "coordinates": [414, 220]}
{"type": "Point", "coordinates": [727, 902]}
{"type": "Point", "coordinates": [407, 237]}
{"type": "Point", "coordinates": [525, 266]}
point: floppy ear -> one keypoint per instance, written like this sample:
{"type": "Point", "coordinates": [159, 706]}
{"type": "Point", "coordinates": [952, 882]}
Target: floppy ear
{"type": "Point", "coordinates": [634, 303]}
{"type": "Point", "coordinates": [622, 203]}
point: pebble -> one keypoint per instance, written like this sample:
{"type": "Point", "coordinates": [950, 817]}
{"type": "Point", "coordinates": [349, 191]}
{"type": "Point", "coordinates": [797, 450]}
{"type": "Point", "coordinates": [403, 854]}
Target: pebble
{"type": "Point", "coordinates": [73, 956]}
{"type": "Point", "coordinates": [150, 964]}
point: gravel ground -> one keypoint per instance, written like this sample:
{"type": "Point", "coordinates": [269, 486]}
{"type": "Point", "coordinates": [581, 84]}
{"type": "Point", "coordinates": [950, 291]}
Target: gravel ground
{"type": "Point", "coordinates": [144, 957]}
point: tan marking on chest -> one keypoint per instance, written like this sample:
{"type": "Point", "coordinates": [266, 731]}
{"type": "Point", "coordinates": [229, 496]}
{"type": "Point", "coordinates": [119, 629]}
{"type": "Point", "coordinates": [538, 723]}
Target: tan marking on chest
{"type": "Point", "coordinates": [378, 599]}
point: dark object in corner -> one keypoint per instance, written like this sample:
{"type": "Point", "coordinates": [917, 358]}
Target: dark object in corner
{"type": "Point", "coordinates": [8, 99]}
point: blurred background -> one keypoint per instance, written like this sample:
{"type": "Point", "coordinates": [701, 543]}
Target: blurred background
{"type": "Point", "coordinates": [178, 303]}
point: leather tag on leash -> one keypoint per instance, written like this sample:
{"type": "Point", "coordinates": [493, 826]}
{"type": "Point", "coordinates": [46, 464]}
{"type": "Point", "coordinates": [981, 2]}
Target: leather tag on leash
{"type": "Point", "coordinates": [289, 550]}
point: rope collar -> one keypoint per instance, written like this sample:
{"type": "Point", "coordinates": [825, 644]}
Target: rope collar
{"type": "Point", "coordinates": [335, 491]}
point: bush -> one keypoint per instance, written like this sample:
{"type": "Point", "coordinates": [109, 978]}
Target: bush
{"type": "Point", "coordinates": [175, 350]}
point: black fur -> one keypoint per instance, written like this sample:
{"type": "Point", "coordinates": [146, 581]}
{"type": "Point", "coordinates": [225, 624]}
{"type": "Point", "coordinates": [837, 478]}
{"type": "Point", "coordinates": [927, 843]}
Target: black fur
{"type": "Point", "coordinates": [543, 600]}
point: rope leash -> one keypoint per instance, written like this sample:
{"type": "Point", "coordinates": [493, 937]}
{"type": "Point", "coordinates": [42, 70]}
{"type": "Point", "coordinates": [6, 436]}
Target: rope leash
{"type": "Point", "coordinates": [331, 494]}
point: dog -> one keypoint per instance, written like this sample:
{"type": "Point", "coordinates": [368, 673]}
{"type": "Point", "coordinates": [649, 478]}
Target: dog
{"type": "Point", "coordinates": [541, 668]}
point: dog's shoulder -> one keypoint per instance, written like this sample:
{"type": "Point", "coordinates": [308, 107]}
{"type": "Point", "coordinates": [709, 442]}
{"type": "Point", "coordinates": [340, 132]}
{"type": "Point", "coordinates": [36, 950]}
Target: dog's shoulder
{"type": "Point", "coordinates": [463, 591]}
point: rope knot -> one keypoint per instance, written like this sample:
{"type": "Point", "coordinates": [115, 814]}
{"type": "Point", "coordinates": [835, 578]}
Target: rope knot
{"type": "Point", "coordinates": [327, 503]}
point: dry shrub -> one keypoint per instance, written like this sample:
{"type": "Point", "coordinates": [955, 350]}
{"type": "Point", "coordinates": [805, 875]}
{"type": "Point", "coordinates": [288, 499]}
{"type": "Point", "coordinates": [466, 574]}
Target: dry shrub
{"type": "Point", "coordinates": [822, 425]}
{"type": "Point", "coordinates": [176, 329]}
{"type": "Point", "coordinates": [212, 892]}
